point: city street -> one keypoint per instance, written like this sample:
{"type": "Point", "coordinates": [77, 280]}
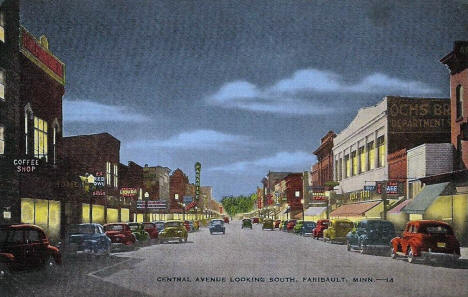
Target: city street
{"type": "Point", "coordinates": [244, 263]}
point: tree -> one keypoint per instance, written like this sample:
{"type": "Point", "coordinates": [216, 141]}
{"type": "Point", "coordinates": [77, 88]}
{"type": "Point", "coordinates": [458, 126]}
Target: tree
{"type": "Point", "coordinates": [239, 204]}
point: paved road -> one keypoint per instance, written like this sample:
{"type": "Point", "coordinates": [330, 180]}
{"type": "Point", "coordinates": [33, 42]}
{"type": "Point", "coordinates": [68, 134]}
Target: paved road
{"type": "Point", "coordinates": [253, 263]}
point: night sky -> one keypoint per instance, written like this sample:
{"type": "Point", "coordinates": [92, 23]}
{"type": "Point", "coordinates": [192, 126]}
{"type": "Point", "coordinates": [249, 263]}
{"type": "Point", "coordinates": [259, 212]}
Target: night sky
{"type": "Point", "coordinates": [241, 86]}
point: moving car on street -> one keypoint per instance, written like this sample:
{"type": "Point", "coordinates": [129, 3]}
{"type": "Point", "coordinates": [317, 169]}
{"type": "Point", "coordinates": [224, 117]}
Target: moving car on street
{"type": "Point", "coordinates": [246, 223]}
{"type": "Point", "coordinates": [217, 226]}
{"type": "Point", "coordinates": [187, 226]}
{"type": "Point", "coordinates": [337, 230]}
{"type": "Point", "coordinates": [321, 225]}
{"type": "Point", "coordinates": [268, 224]}
{"type": "Point", "coordinates": [226, 220]}
{"type": "Point", "coordinates": [87, 239]}
{"type": "Point", "coordinates": [173, 230]}
{"type": "Point", "coordinates": [23, 247]}
{"type": "Point", "coordinates": [120, 235]}
{"type": "Point", "coordinates": [371, 235]}
{"type": "Point", "coordinates": [426, 240]}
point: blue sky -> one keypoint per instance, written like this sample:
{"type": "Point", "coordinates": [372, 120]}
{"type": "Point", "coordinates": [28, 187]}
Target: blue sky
{"type": "Point", "coordinates": [241, 86]}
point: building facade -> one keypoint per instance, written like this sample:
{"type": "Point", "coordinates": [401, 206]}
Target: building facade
{"type": "Point", "coordinates": [322, 171]}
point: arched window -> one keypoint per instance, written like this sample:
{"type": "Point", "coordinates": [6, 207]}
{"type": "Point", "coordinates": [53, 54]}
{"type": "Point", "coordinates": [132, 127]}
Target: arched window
{"type": "Point", "coordinates": [459, 101]}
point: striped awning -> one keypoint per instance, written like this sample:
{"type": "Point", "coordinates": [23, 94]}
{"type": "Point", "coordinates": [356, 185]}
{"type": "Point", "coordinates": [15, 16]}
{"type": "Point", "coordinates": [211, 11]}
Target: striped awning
{"type": "Point", "coordinates": [190, 205]}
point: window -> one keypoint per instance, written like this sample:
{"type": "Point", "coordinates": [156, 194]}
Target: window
{"type": "Point", "coordinates": [355, 163]}
{"type": "Point", "coordinates": [108, 173]}
{"type": "Point", "coordinates": [370, 155]}
{"type": "Point", "coordinates": [2, 84]}
{"type": "Point", "coordinates": [2, 140]}
{"type": "Point", "coordinates": [2, 26]}
{"type": "Point", "coordinates": [337, 170]}
{"type": "Point", "coordinates": [459, 101]}
{"type": "Point", "coordinates": [40, 138]}
{"type": "Point", "coordinates": [348, 166]}
{"type": "Point", "coordinates": [116, 175]}
{"type": "Point", "coordinates": [340, 173]}
{"type": "Point", "coordinates": [381, 151]}
{"type": "Point", "coordinates": [362, 160]}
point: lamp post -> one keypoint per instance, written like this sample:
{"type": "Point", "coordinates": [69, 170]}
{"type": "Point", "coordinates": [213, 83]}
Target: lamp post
{"type": "Point", "coordinates": [287, 211]}
{"type": "Point", "coordinates": [196, 212]}
{"type": "Point", "coordinates": [90, 181]}
{"type": "Point", "coordinates": [303, 210]}
{"type": "Point", "coordinates": [145, 219]}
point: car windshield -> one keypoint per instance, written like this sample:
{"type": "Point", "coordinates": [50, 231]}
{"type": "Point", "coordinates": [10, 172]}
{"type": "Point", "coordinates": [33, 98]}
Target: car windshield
{"type": "Point", "coordinates": [385, 226]}
{"type": "Point", "coordinates": [148, 226]}
{"type": "Point", "coordinates": [437, 229]}
{"type": "Point", "coordinates": [160, 225]}
{"type": "Point", "coordinates": [246, 221]}
{"type": "Point", "coordinates": [82, 229]}
{"type": "Point", "coordinates": [172, 224]}
{"type": "Point", "coordinates": [217, 222]}
{"type": "Point", "coordinates": [309, 224]}
{"type": "Point", "coordinates": [134, 227]}
{"type": "Point", "coordinates": [113, 228]}
{"type": "Point", "coordinates": [344, 224]}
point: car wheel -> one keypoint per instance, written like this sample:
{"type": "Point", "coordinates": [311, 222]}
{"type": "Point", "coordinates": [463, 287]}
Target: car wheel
{"type": "Point", "coordinates": [363, 249]}
{"type": "Point", "coordinates": [50, 265]}
{"type": "Point", "coordinates": [348, 246]}
{"type": "Point", "coordinates": [410, 255]}
{"type": "Point", "coordinates": [3, 271]}
{"type": "Point", "coordinates": [393, 253]}
{"type": "Point", "coordinates": [185, 239]}
{"type": "Point", "coordinates": [180, 240]}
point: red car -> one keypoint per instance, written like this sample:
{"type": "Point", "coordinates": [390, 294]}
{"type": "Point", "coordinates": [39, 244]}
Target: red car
{"type": "Point", "coordinates": [317, 232]}
{"type": "Point", "coordinates": [226, 220]}
{"type": "Point", "coordinates": [120, 234]}
{"type": "Point", "coordinates": [277, 223]}
{"type": "Point", "coordinates": [187, 226]}
{"type": "Point", "coordinates": [26, 246]}
{"type": "Point", "coordinates": [151, 229]}
{"type": "Point", "coordinates": [290, 225]}
{"type": "Point", "coordinates": [426, 239]}
{"type": "Point", "coordinates": [256, 220]}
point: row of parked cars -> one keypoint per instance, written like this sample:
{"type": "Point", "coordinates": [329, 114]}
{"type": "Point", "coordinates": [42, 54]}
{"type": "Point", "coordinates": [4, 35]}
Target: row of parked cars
{"type": "Point", "coordinates": [420, 240]}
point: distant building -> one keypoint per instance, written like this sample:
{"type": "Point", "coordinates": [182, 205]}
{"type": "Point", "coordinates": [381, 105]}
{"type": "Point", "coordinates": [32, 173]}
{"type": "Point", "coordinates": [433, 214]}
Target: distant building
{"type": "Point", "coordinates": [322, 171]}
{"type": "Point", "coordinates": [178, 182]}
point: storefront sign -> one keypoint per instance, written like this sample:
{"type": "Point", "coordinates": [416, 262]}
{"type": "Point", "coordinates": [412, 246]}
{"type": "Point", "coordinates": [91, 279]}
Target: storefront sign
{"type": "Point", "coordinates": [318, 193]}
{"type": "Point", "coordinates": [128, 192]}
{"type": "Point", "coordinates": [7, 215]}
{"type": "Point", "coordinates": [393, 188]}
{"type": "Point", "coordinates": [99, 193]}
{"type": "Point", "coordinates": [369, 188]}
{"type": "Point", "coordinates": [141, 204]}
{"type": "Point", "coordinates": [197, 180]}
{"type": "Point", "coordinates": [99, 179]}
{"type": "Point", "coordinates": [26, 165]}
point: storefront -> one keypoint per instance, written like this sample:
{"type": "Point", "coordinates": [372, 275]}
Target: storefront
{"type": "Point", "coordinates": [359, 210]}
{"type": "Point", "coordinates": [315, 213]}
{"type": "Point", "coordinates": [44, 213]}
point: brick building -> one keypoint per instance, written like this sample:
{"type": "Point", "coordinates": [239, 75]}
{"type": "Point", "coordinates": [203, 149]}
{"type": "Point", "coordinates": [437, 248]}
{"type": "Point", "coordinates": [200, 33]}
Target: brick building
{"type": "Point", "coordinates": [178, 182]}
{"type": "Point", "coordinates": [269, 182]}
{"type": "Point", "coordinates": [322, 171]}
{"type": "Point", "coordinates": [294, 193]}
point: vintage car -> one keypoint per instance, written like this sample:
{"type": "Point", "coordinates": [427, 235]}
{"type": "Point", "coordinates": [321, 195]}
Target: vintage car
{"type": "Point", "coordinates": [120, 235]}
{"type": "Point", "coordinates": [217, 226]}
{"type": "Point", "coordinates": [337, 230]}
{"type": "Point", "coordinates": [89, 239]}
{"type": "Point", "coordinates": [246, 223]}
{"type": "Point", "coordinates": [426, 240]}
{"type": "Point", "coordinates": [290, 225]}
{"type": "Point", "coordinates": [159, 225]}
{"type": "Point", "coordinates": [139, 232]}
{"type": "Point", "coordinates": [173, 230]}
{"type": "Point", "coordinates": [306, 228]}
{"type": "Point", "coordinates": [321, 225]}
{"type": "Point", "coordinates": [298, 227]}
{"type": "Point", "coordinates": [151, 229]}
{"type": "Point", "coordinates": [196, 225]}
{"type": "Point", "coordinates": [226, 220]}
{"type": "Point", "coordinates": [24, 247]}
{"type": "Point", "coordinates": [284, 225]}
{"type": "Point", "coordinates": [187, 226]}
{"type": "Point", "coordinates": [268, 224]}
{"type": "Point", "coordinates": [256, 220]}
{"type": "Point", "coordinates": [277, 223]}
{"type": "Point", "coordinates": [370, 235]}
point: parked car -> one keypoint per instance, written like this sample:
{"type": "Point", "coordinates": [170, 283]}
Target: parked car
{"type": "Point", "coordinates": [256, 220]}
{"type": "Point", "coordinates": [196, 225]}
{"type": "Point", "coordinates": [187, 226]}
{"type": "Point", "coordinates": [427, 240]}
{"type": "Point", "coordinates": [307, 228]}
{"type": "Point", "coordinates": [370, 235]}
{"type": "Point", "coordinates": [151, 229]}
{"type": "Point", "coordinates": [321, 225]}
{"type": "Point", "coordinates": [159, 225]}
{"type": "Point", "coordinates": [277, 223]}
{"type": "Point", "coordinates": [173, 230]}
{"type": "Point", "coordinates": [290, 225]}
{"type": "Point", "coordinates": [246, 223]}
{"type": "Point", "coordinates": [140, 234]}
{"type": "Point", "coordinates": [337, 230]}
{"type": "Point", "coordinates": [298, 227]}
{"type": "Point", "coordinates": [284, 225]}
{"type": "Point", "coordinates": [217, 226]}
{"type": "Point", "coordinates": [268, 224]}
{"type": "Point", "coordinates": [87, 239]}
{"type": "Point", "coordinates": [24, 247]}
{"type": "Point", "coordinates": [226, 220]}
{"type": "Point", "coordinates": [120, 235]}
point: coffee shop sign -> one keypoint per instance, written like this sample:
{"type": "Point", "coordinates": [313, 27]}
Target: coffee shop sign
{"type": "Point", "coordinates": [26, 165]}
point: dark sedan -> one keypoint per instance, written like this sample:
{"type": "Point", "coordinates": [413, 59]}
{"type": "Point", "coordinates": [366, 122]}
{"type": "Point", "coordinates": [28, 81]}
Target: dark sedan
{"type": "Point", "coordinates": [217, 226]}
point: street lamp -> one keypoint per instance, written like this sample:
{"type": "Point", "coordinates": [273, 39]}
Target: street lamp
{"type": "Point", "coordinates": [287, 211]}
{"type": "Point", "coordinates": [146, 207]}
{"type": "Point", "coordinates": [303, 210]}
{"type": "Point", "coordinates": [196, 212]}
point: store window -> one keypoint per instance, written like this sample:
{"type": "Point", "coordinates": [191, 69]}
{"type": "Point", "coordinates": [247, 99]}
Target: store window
{"type": "Point", "coordinates": [459, 101]}
{"type": "Point", "coordinates": [40, 138]}
{"type": "Point", "coordinates": [2, 140]}
{"type": "Point", "coordinates": [370, 155]}
{"type": "Point", "coordinates": [348, 166]}
{"type": "Point", "coordinates": [108, 174]}
{"type": "Point", "coordinates": [381, 151]}
{"type": "Point", "coordinates": [362, 160]}
{"type": "Point", "coordinates": [355, 162]}
{"type": "Point", "coordinates": [2, 26]}
{"type": "Point", "coordinates": [116, 176]}
{"type": "Point", "coordinates": [2, 84]}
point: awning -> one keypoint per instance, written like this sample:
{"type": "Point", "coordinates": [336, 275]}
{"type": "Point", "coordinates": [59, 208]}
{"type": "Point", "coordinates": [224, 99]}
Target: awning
{"type": "Point", "coordinates": [354, 209]}
{"type": "Point", "coordinates": [190, 205]}
{"type": "Point", "coordinates": [425, 198]}
{"type": "Point", "coordinates": [398, 209]}
{"type": "Point", "coordinates": [314, 211]}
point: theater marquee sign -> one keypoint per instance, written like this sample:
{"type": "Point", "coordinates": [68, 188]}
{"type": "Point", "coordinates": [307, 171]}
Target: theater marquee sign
{"type": "Point", "coordinates": [417, 115]}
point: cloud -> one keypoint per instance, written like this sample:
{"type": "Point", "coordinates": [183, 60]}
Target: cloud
{"type": "Point", "coordinates": [288, 96]}
{"type": "Point", "coordinates": [94, 112]}
{"type": "Point", "coordinates": [197, 139]}
{"type": "Point", "coordinates": [284, 161]}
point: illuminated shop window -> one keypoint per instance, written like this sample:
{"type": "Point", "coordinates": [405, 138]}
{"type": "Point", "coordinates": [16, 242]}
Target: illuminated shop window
{"type": "Point", "coordinates": [40, 138]}
{"type": "Point", "coordinates": [116, 175]}
{"type": "Point", "coordinates": [348, 166]}
{"type": "Point", "coordinates": [370, 155]}
{"type": "Point", "coordinates": [381, 150]}
{"type": "Point", "coordinates": [2, 140]}
{"type": "Point", "coordinates": [108, 173]}
{"type": "Point", "coordinates": [2, 84]}
{"type": "Point", "coordinates": [2, 26]}
{"type": "Point", "coordinates": [362, 159]}
{"type": "Point", "coordinates": [459, 101]}
{"type": "Point", "coordinates": [355, 162]}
